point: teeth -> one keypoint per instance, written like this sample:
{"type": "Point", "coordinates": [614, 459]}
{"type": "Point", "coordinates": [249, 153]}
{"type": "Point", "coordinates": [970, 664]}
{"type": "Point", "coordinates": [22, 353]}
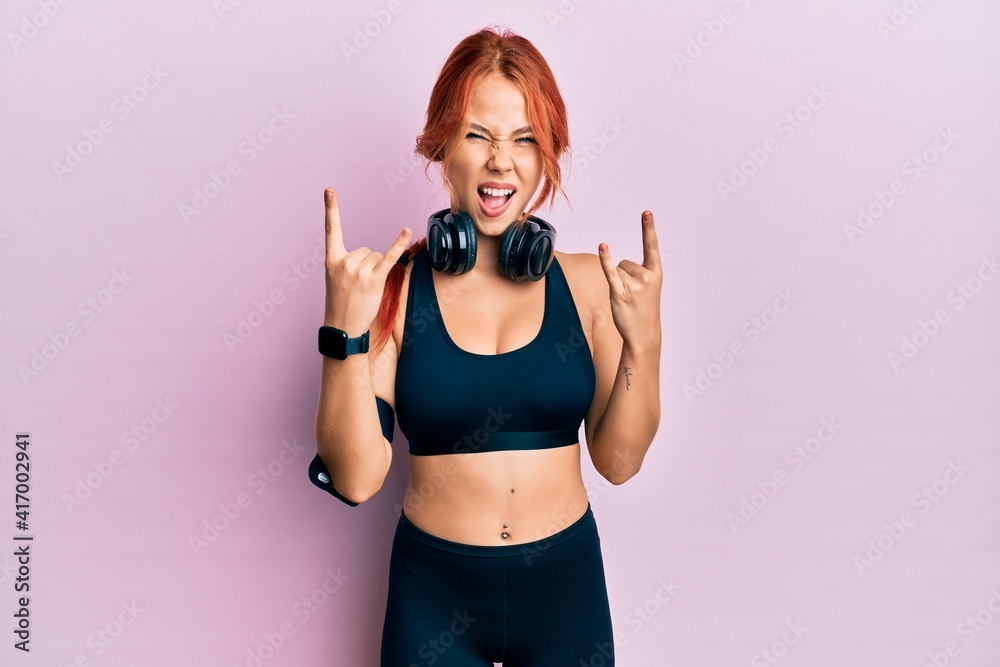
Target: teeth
{"type": "Point", "coordinates": [495, 192]}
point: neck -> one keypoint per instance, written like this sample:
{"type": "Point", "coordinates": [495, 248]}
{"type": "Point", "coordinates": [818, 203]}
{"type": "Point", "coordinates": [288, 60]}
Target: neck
{"type": "Point", "coordinates": [487, 264]}
{"type": "Point", "coordinates": [487, 256]}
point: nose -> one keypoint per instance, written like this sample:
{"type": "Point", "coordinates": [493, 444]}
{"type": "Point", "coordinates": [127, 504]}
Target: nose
{"type": "Point", "coordinates": [500, 159]}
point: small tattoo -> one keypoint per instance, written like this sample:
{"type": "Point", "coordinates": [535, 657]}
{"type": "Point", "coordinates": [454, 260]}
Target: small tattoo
{"type": "Point", "coordinates": [627, 376]}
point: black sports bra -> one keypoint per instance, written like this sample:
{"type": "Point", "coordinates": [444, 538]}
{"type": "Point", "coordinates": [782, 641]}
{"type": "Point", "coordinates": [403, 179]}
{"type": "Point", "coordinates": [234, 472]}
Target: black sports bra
{"type": "Point", "coordinates": [451, 401]}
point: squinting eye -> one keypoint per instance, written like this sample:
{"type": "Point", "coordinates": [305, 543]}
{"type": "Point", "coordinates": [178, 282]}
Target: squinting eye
{"type": "Point", "coordinates": [471, 135]}
{"type": "Point", "coordinates": [530, 140]}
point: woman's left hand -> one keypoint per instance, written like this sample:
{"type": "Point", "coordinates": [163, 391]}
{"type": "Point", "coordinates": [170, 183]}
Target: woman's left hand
{"type": "Point", "coordinates": [635, 290]}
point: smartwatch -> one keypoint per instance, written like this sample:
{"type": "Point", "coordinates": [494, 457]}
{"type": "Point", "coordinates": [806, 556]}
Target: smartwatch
{"type": "Point", "coordinates": [334, 343]}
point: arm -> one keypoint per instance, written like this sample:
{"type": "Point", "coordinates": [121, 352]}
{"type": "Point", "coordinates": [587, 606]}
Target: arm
{"type": "Point", "coordinates": [349, 438]}
{"type": "Point", "coordinates": [625, 430]}
{"type": "Point", "coordinates": [352, 440]}
{"type": "Point", "coordinates": [627, 341]}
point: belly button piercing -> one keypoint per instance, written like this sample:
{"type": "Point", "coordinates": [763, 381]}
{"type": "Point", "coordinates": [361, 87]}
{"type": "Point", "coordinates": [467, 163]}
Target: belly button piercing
{"type": "Point", "coordinates": [504, 534]}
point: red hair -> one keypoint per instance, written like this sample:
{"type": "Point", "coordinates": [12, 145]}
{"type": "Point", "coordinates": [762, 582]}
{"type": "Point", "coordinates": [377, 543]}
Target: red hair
{"type": "Point", "coordinates": [477, 56]}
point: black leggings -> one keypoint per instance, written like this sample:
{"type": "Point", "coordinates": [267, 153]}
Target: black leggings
{"type": "Point", "coordinates": [539, 604]}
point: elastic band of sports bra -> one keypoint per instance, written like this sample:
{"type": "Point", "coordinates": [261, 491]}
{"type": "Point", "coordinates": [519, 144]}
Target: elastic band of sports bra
{"type": "Point", "coordinates": [496, 442]}
{"type": "Point", "coordinates": [525, 550]}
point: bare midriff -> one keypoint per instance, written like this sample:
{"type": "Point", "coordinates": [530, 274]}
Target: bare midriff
{"type": "Point", "coordinates": [504, 497]}
{"type": "Point", "coordinates": [496, 498]}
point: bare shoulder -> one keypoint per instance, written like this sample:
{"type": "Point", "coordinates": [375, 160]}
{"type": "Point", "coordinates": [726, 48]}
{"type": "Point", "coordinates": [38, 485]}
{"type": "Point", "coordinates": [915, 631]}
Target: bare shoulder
{"type": "Point", "coordinates": [585, 276]}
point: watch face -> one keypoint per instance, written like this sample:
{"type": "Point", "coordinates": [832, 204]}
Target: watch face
{"type": "Point", "coordinates": [333, 342]}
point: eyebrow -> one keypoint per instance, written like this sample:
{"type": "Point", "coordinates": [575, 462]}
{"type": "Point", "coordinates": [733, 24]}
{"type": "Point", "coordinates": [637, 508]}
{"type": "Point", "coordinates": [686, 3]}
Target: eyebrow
{"type": "Point", "coordinates": [474, 126]}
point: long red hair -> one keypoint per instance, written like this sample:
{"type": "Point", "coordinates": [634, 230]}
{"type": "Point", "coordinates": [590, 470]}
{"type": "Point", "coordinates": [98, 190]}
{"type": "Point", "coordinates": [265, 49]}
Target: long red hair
{"type": "Point", "coordinates": [479, 55]}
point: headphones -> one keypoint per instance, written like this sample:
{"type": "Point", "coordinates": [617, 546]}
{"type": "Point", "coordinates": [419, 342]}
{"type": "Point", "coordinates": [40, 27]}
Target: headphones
{"type": "Point", "coordinates": [526, 249]}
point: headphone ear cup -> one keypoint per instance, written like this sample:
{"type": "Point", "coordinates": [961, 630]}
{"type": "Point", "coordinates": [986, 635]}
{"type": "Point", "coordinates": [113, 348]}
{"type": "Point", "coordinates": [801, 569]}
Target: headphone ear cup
{"type": "Point", "coordinates": [527, 251]}
{"type": "Point", "coordinates": [440, 242]}
{"type": "Point", "coordinates": [451, 242]}
{"type": "Point", "coordinates": [511, 244]}
{"type": "Point", "coordinates": [466, 230]}
{"type": "Point", "coordinates": [507, 267]}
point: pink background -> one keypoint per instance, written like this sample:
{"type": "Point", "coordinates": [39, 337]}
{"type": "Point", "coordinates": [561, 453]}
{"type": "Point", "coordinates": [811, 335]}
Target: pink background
{"type": "Point", "coordinates": [687, 585]}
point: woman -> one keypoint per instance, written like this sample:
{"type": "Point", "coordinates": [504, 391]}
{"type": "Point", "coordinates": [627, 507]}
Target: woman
{"type": "Point", "coordinates": [496, 556]}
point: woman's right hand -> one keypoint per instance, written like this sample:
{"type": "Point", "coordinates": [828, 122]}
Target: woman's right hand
{"type": "Point", "coordinates": [354, 280]}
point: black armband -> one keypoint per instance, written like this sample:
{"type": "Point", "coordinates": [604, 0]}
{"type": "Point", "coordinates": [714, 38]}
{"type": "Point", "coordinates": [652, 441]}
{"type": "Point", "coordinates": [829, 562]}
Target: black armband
{"type": "Point", "coordinates": [318, 472]}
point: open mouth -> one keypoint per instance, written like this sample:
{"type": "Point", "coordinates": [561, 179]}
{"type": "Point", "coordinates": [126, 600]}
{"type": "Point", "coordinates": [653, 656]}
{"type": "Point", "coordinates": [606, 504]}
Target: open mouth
{"type": "Point", "coordinates": [494, 201]}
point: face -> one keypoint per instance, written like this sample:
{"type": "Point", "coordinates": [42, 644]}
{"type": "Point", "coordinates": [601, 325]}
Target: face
{"type": "Point", "coordinates": [495, 156]}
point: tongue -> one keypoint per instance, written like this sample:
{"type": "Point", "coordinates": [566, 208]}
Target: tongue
{"type": "Point", "coordinates": [492, 201]}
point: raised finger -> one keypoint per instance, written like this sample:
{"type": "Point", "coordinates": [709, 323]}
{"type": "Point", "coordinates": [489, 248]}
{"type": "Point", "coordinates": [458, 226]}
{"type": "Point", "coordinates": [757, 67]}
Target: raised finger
{"type": "Point", "coordinates": [396, 250]}
{"type": "Point", "coordinates": [334, 232]}
{"type": "Point", "coordinates": [650, 243]}
{"type": "Point", "coordinates": [381, 264]}
{"type": "Point", "coordinates": [610, 270]}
